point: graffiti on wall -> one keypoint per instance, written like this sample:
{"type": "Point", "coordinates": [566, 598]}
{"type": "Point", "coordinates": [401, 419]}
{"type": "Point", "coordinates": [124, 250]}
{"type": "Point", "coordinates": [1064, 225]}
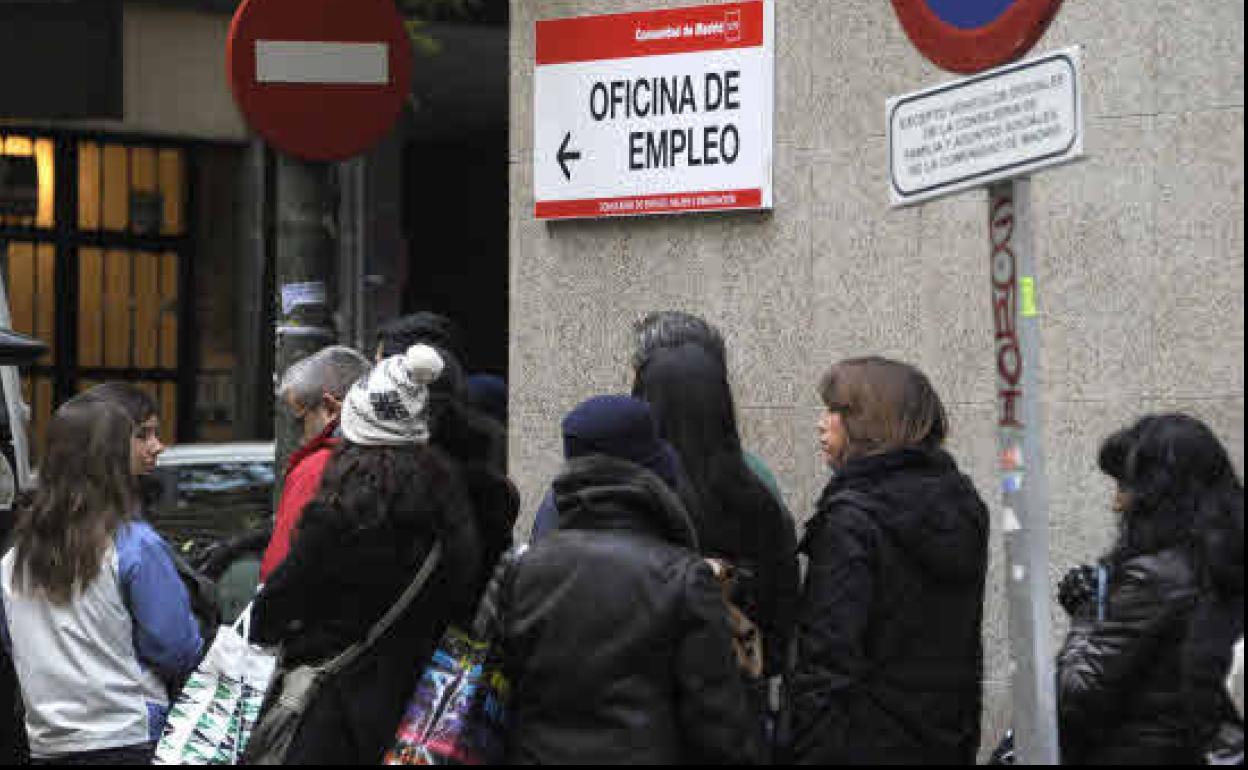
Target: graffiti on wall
{"type": "Point", "coordinates": [1009, 356]}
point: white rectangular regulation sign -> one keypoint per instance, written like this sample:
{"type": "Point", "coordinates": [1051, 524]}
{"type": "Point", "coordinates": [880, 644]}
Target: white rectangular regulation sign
{"type": "Point", "coordinates": [994, 125]}
{"type": "Point", "coordinates": [654, 113]}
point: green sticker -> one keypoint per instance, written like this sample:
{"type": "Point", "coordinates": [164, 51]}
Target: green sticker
{"type": "Point", "coordinates": [1027, 288]}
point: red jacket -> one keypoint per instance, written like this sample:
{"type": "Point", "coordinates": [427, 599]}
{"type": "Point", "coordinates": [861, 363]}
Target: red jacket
{"type": "Point", "coordinates": [303, 479]}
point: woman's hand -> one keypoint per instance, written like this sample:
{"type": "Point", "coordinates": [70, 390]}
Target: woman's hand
{"type": "Point", "coordinates": [1077, 591]}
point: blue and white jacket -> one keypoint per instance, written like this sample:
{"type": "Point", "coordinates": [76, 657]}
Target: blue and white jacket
{"type": "Point", "coordinates": [93, 671]}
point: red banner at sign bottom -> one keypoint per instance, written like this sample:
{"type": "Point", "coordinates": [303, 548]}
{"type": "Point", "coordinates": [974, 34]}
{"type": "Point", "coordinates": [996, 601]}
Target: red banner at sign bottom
{"type": "Point", "coordinates": [650, 204]}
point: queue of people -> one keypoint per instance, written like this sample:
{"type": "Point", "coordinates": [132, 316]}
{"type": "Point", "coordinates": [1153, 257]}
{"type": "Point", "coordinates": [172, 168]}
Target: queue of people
{"type": "Point", "coordinates": [666, 610]}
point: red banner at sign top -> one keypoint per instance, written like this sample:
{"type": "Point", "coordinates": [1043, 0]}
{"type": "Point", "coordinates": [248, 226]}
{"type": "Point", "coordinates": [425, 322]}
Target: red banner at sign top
{"type": "Point", "coordinates": [652, 33]}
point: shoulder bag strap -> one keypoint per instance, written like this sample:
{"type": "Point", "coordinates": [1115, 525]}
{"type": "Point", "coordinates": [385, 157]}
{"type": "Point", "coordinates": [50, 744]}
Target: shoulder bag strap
{"type": "Point", "coordinates": [487, 624]}
{"type": "Point", "coordinates": [344, 658]}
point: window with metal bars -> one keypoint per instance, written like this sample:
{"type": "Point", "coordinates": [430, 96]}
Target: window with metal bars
{"type": "Point", "coordinates": [96, 265]}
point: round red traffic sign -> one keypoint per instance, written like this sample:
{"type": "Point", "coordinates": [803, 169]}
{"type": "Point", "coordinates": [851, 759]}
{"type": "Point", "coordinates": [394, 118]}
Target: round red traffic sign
{"type": "Point", "coordinates": [966, 37]}
{"type": "Point", "coordinates": [319, 79]}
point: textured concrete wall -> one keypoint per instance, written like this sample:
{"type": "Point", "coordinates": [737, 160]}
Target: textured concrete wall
{"type": "Point", "coordinates": [1140, 253]}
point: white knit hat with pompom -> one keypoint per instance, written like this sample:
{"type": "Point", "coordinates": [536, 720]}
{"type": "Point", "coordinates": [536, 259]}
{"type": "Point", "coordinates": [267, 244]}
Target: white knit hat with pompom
{"type": "Point", "coordinates": [390, 406]}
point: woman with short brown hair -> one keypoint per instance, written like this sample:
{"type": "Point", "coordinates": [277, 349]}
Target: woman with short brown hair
{"type": "Point", "coordinates": [889, 653]}
{"type": "Point", "coordinates": [882, 405]}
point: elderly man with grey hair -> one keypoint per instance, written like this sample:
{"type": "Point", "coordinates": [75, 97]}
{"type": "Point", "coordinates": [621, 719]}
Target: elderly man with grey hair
{"type": "Point", "coordinates": [312, 390]}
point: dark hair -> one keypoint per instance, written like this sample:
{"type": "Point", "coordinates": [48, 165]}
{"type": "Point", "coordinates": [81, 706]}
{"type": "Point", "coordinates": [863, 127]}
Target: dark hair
{"type": "Point", "coordinates": [670, 328]}
{"type": "Point", "coordinates": [488, 393]}
{"type": "Point", "coordinates": [885, 405]}
{"type": "Point", "coordinates": [1181, 489]}
{"type": "Point", "coordinates": [136, 402]}
{"type": "Point", "coordinates": [414, 488]}
{"type": "Point", "coordinates": [140, 406]}
{"type": "Point", "coordinates": [437, 331]}
{"type": "Point", "coordinates": [466, 433]}
{"type": "Point", "coordinates": [85, 493]}
{"type": "Point", "coordinates": [692, 404]}
{"type": "Point", "coordinates": [399, 334]}
{"type": "Point", "coordinates": [734, 513]}
{"type": "Point", "coordinates": [1112, 457]}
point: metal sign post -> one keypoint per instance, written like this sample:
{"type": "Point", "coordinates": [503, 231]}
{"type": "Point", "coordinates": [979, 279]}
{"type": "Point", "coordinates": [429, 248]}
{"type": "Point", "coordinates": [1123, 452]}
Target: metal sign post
{"type": "Point", "coordinates": [1024, 484]}
{"type": "Point", "coordinates": [321, 81]}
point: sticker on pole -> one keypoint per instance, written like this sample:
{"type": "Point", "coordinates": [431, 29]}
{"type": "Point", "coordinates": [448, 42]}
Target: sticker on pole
{"type": "Point", "coordinates": [656, 112]}
{"type": "Point", "coordinates": [997, 125]}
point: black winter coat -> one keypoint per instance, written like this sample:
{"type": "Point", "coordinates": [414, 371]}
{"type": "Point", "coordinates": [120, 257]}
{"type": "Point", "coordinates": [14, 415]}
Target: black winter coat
{"type": "Point", "coordinates": [617, 641]}
{"type": "Point", "coordinates": [335, 584]}
{"type": "Point", "coordinates": [1123, 695]}
{"type": "Point", "coordinates": [890, 658]}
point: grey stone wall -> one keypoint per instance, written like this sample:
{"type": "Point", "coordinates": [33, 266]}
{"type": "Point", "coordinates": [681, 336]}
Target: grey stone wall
{"type": "Point", "coordinates": [1140, 253]}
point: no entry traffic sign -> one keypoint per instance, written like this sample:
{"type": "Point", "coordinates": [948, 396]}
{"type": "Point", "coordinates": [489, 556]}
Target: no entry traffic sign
{"type": "Point", "coordinates": [319, 79]}
{"type": "Point", "coordinates": [654, 113]}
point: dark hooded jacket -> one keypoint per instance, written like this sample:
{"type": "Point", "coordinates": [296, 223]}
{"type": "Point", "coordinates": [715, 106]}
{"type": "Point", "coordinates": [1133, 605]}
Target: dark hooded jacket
{"type": "Point", "coordinates": [617, 642]}
{"type": "Point", "coordinates": [890, 658]}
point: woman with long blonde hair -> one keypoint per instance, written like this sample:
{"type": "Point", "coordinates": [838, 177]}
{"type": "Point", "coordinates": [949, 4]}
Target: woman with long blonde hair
{"type": "Point", "coordinates": [97, 621]}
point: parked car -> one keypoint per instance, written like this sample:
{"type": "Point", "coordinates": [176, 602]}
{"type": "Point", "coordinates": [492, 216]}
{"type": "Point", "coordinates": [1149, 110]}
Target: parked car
{"type": "Point", "coordinates": [208, 492]}
{"type": "Point", "coordinates": [214, 504]}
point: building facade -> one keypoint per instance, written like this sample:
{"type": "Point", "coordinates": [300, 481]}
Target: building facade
{"type": "Point", "coordinates": [1139, 248]}
{"type": "Point", "coordinates": [144, 249]}
{"type": "Point", "coordinates": [138, 212]}
{"type": "Point", "coordinates": [129, 256]}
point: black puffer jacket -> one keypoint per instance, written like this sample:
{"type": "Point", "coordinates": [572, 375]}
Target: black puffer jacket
{"type": "Point", "coordinates": [1123, 696]}
{"type": "Point", "coordinates": [616, 637]}
{"type": "Point", "coordinates": [889, 650]}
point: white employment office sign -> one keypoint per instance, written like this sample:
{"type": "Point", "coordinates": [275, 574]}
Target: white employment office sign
{"type": "Point", "coordinates": [654, 113]}
{"type": "Point", "coordinates": [1002, 123]}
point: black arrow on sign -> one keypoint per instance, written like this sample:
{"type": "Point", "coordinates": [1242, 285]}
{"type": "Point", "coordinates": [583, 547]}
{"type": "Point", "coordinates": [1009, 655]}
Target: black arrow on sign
{"type": "Point", "coordinates": [564, 156]}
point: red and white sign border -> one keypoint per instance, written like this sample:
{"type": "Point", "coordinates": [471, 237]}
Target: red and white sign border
{"type": "Point", "coordinates": [590, 38]}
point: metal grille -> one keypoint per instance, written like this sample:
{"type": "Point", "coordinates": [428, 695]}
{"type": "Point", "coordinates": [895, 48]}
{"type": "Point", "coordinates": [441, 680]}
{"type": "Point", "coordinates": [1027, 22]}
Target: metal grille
{"type": "Point", "coordinates": [99, 271]}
